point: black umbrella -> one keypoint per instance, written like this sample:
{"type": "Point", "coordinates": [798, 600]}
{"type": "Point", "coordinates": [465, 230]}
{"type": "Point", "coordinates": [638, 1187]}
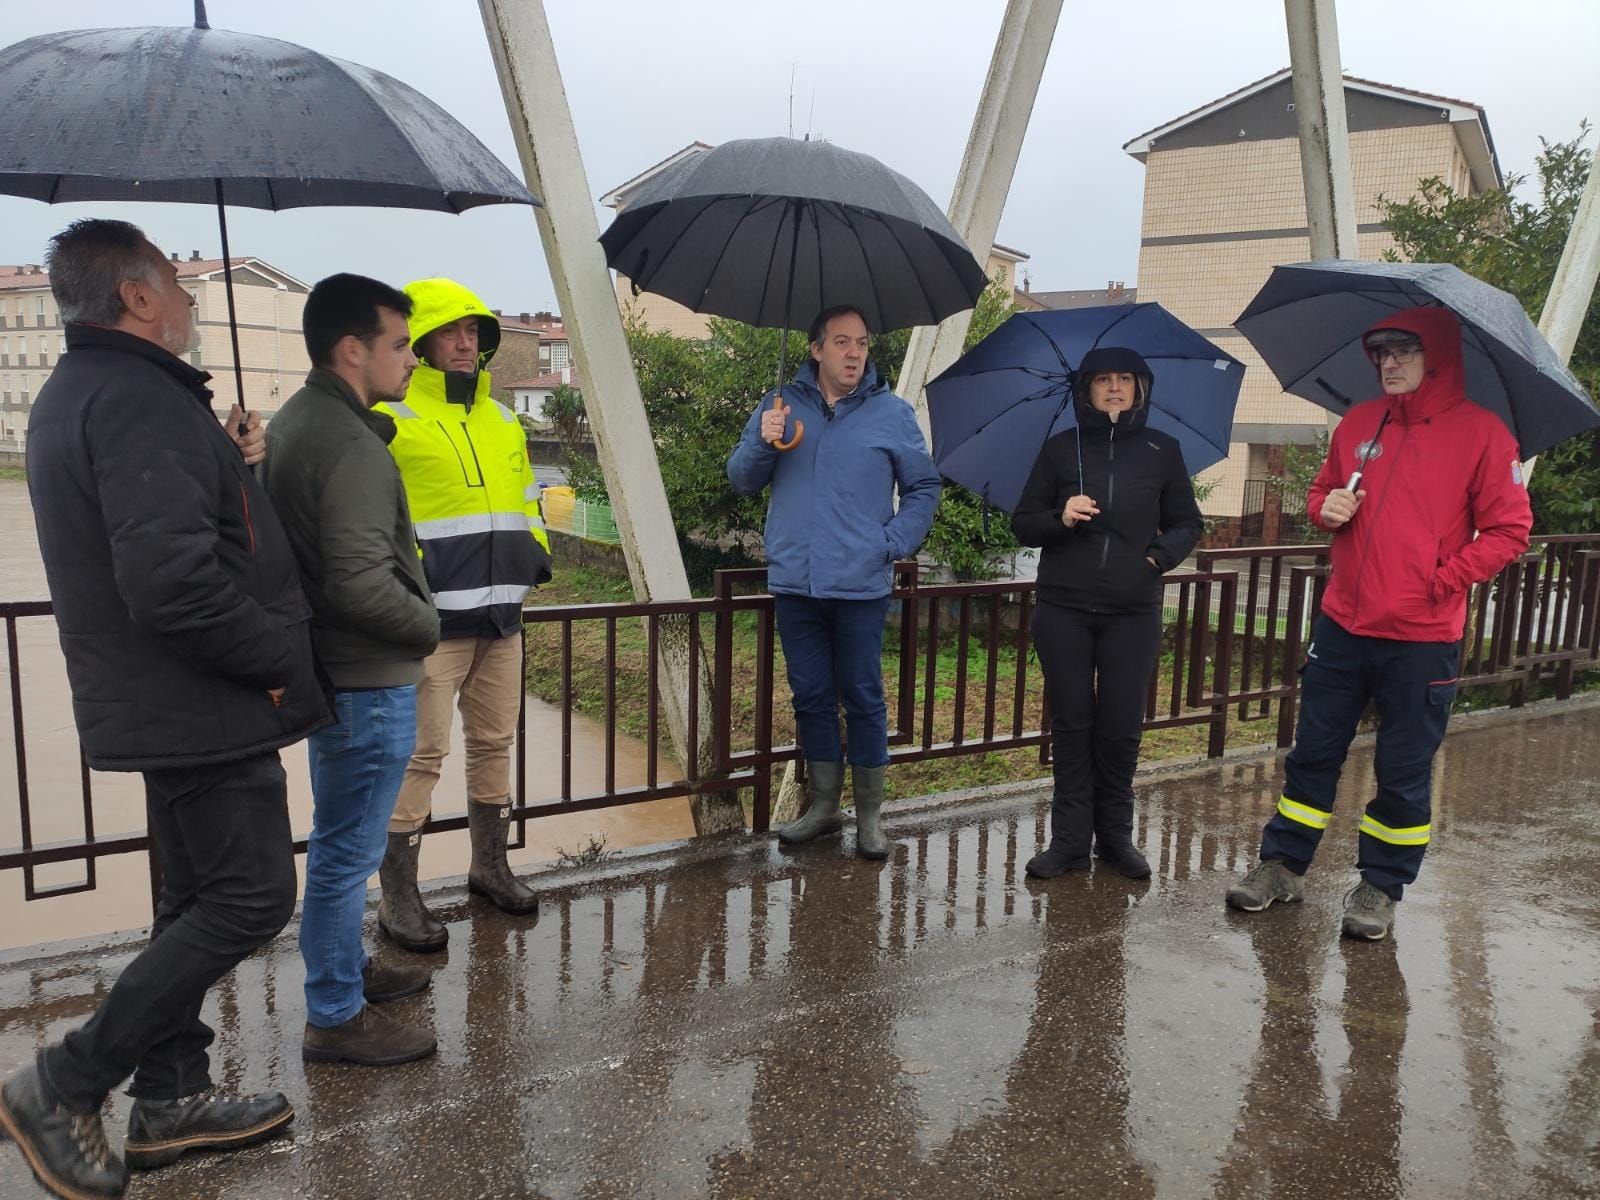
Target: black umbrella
{"type": "Point", "coordinates": [1307, 322]}
{"type": "Point", "coordinates": [766, 228]}
{"type": "Point", "coordinates": [205, 116]}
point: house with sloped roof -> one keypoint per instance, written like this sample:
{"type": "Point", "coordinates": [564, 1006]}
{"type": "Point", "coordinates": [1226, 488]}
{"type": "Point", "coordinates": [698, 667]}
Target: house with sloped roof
{"type": "Point", "coordinates": [1224, 202]}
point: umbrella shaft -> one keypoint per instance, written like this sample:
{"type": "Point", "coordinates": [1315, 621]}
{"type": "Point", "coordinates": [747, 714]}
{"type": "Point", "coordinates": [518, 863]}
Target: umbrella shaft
{"type": "Point", "coordinates": [233, 316]}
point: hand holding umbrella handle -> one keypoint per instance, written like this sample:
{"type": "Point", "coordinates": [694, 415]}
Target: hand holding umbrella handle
{"type": "Point", "coordinates": [799, 427]}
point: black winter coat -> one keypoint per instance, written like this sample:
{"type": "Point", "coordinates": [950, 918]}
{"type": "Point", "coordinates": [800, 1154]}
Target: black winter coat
{"type": "Point", "coordinates": [1147, 509]}
{"type": "Point", "coordinates": [175, 591]}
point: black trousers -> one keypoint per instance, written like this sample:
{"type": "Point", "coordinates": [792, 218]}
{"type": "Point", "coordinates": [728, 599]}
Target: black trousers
{"type": "Point", "coordinates": [220, 835]}
{"type": "Point", "coordinates": [1097, 669]}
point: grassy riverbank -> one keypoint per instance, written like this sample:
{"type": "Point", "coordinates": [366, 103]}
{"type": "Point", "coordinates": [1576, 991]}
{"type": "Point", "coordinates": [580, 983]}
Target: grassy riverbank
{"type": "Point", "coordinates": [584, 585]}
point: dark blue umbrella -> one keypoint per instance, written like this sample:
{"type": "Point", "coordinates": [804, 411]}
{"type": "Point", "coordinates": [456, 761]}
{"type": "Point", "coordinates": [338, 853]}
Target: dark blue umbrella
{"type": "Point", "coordinates": [1307, 322]}
{"type": "Point", "coordinates": [1002, 400]}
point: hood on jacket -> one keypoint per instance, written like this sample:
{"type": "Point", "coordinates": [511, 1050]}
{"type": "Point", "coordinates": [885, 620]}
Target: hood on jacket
{"type": "Point", "coordinates": [1119, 359]}
{"type": "Point", "coordinates": [1443, 379]}
{"type": "Point", "coordinates": [437, 302]}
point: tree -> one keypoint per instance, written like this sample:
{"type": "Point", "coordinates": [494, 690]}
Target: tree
{"type": "Point", "coordinates": [565, 412]}
{"type": "Point", "coordinates": [1515, 245]}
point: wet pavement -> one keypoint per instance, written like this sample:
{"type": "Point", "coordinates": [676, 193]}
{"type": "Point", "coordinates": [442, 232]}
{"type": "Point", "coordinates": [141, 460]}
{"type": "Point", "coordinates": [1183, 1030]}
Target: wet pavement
{"type": "Point", "coordinates": [732, 1020]}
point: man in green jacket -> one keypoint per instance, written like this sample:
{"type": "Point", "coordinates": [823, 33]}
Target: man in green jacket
{"type": "Point", "coordinates": [339, 495]}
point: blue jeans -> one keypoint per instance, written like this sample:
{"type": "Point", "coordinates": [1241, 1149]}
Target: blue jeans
{"type": "Point", "coordinates": [1412, 684]}
{"type": "Point", "coordinates": [356, 769]}
{"type": "Point", "coordinates": [834, 653]}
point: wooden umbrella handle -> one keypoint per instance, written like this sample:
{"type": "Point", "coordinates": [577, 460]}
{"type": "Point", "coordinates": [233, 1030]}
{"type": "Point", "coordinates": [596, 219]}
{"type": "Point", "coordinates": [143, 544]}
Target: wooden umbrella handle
{"type": "Point", "coordinates": [799, 427]}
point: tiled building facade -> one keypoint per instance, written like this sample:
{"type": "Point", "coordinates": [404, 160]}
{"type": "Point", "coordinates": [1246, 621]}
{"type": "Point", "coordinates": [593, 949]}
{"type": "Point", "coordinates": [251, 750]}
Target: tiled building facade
{"type": "Point", "coordinates": [268, 301]}
{"type": "Point", "coordinates": [1224, 203]}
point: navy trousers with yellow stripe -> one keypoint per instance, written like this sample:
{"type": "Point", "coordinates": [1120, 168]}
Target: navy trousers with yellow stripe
{"type": "Point", "coordinates": [1412, 685]}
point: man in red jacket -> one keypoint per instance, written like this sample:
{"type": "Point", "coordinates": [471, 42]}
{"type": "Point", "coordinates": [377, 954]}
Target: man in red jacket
{"type": "Point", "coordinates": [1423, 492]}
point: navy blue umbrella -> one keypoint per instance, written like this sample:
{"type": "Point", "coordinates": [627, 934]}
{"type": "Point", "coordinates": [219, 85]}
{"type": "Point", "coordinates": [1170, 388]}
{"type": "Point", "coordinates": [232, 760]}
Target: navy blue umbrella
{"type": "Point", "coordinates": [1002, 400]}
{"type": "Point", "coordinates": [1307, 322]}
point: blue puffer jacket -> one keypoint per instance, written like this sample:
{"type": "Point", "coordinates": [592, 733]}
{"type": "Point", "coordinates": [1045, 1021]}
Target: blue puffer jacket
{"type": "Point", "coordinates": [832, 528]}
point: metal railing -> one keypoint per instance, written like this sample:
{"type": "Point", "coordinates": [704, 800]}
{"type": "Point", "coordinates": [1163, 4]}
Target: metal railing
{"type": "Point", "coordinates": [962, 678]}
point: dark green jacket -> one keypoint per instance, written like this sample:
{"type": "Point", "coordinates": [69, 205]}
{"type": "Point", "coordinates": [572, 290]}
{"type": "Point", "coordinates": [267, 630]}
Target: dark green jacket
{"type": "Point", "coordinates": [338, 493]}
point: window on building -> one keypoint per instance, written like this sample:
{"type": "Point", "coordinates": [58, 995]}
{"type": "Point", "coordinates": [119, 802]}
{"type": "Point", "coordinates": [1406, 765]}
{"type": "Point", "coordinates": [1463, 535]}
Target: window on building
{"type": "Point", "coordinates": [44, 350]}
{"type": "Point", "coordinates": [61, 343]}
{"type": "Point", "coordinates": [558, 356]}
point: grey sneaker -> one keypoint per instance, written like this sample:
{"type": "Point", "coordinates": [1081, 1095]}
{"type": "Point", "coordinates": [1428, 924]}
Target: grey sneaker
{"type": "Point", "coordinates": [1368, 913]}
{"type": "Point", "coordinates": [1267, 881]}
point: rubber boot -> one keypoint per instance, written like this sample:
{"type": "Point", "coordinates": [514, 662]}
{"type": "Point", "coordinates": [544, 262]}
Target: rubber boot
{"type": "Point", "coordinates": [824, 783]}
{"type": "Point", "coordinates": [1071, 823]}
{"type": "Point", "coordinates": [401, 913]}
{"type": "Point", "coordinates": [1113, 838]}
{"type": "Point", "coordinates": [866, 786]}
{"type": "Point", "coordinates": [490, 875]}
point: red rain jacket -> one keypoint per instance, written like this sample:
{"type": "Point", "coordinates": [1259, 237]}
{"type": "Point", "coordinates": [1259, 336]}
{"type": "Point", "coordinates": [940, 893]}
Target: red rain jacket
{"type": "Point", "coordinates": [1446, 469]}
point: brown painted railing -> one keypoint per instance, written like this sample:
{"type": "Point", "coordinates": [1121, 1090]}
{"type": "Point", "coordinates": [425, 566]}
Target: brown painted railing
{"type": "Point", "coordinates": [1234, 631]}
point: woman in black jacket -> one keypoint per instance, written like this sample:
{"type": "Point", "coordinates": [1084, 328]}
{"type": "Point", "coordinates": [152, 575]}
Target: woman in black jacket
{"type": "Point", "coordinates": [1111, 504]}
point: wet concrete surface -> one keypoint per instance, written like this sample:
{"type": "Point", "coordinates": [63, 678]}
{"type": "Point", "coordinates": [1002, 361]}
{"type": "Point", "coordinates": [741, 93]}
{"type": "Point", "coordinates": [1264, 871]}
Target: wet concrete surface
{"type": "Point", "coordinates": [121, 898]}
{"type": "Point", "coordinates": [734, 1020]}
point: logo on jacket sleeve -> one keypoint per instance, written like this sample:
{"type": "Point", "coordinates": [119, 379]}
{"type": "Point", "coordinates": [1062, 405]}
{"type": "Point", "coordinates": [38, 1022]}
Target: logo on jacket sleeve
{"type": "Point", "coordinates": [1516, 473]}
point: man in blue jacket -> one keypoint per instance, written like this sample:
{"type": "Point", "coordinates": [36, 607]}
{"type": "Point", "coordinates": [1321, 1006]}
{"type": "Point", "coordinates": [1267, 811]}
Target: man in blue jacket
{"type": "Point", "coordinates": [833, 536]}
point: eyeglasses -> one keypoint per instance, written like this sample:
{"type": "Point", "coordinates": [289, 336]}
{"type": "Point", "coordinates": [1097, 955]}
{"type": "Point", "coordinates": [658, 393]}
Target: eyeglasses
{"type": "Point", "coordinates": [1403, 354]}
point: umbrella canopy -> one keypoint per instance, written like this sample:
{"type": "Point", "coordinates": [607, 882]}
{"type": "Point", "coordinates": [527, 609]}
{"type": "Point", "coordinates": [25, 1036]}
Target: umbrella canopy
{"type": "Point", "coordinates": [204, 116]}
{"type": "Point", "coordinates": [998, 404]}
{"type": "Point", "coordinates": [766, 230]}
{"type": "Point", "coordinates": [164, 114]}
{"type": "Point", "coordinates": [1307, 322]}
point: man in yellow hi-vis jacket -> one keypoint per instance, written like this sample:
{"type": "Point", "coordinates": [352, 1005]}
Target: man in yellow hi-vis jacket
{"type": "Point", "coordinates": [464, 460]}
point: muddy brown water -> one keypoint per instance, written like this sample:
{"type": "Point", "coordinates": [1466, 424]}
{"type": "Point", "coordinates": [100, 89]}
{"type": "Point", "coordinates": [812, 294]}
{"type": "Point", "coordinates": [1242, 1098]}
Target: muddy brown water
{"type": "Point", "coordinates": [121, 899]}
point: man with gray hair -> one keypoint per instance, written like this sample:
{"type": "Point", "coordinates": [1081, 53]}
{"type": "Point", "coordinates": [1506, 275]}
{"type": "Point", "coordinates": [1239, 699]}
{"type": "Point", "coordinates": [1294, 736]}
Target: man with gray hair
{"type": "Point", "coordinates": [188, 649]}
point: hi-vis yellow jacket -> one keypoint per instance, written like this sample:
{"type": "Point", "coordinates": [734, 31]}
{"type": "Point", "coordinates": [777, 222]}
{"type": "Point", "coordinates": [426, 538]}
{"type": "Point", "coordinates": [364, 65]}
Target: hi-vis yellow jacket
{"type": "Point", "coordinates": [468, 481]}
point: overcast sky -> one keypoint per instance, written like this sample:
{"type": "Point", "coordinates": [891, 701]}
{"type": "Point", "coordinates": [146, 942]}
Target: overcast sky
{"type": "Point", "coordinates": [897, 79]}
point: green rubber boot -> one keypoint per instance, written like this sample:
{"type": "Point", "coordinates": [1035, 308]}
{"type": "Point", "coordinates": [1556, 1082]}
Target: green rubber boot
{"type": "Point", "coordinates": [824, 783]}
{"type": "Point", "coordinates": [867, 785]}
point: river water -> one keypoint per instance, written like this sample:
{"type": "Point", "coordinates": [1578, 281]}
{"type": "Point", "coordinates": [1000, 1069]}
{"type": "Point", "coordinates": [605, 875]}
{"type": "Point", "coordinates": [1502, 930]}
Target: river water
{"type": "Point", "coordinates": [121, 899]}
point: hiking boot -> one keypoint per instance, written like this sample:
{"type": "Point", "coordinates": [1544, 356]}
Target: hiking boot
{"type": "Point", "coordinates": [1123, 858]}
{"type": "Point", "coordinates": [66, 1150]}
{"type": "Point", "coordinates": [1267, 881]}
{"type": "Point", "coordinates": [369, 1039]}
{"type": "Point", "coordinates": [380, 985]}
{"type": "Point", "coordinates": [1368, 913]}
{"type": "Point", "coordinates": [866, 786]}
{"type": "Point", "coordinates": [401, 913]}
{"type": "Point", "coordinates": [162, 1131]}
{"type": "Point", "coordinates": [490, 875]}
{"type": "Point", "coordinates": [824, 783]}
{"type": "Point", "coordinates": [1057, 859]}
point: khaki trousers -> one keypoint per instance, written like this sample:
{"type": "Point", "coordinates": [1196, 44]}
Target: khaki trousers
{"type": "Point", "coordinates": [486, 674]}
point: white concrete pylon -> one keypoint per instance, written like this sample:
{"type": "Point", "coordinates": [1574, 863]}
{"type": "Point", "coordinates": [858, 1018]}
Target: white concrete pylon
{"type": "Point", "coordinates": [547, 143]}
{"type": "Point", "coordinates": [990, 161]}
{"type": "Point", "coordinates": [1324, 131]}
{"type": "Point", "coordinates": [1572, 289]}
